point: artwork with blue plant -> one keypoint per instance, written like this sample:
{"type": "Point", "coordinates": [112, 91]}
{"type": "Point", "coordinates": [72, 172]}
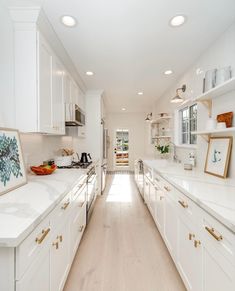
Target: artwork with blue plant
{"type": "Point", "coordinates": [9, 159]}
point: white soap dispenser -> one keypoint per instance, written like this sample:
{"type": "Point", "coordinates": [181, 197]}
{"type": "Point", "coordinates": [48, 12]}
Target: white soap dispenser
{"type": "Point", "coordinates": [192, 159]}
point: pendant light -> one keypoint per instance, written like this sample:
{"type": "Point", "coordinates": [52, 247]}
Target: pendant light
{"type": "Point", "coordinates": [177, 98]}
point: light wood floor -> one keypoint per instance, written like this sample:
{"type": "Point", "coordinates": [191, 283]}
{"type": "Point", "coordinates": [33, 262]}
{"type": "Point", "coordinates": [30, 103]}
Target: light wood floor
{"type": "Point", "coordinates": [121, 249]}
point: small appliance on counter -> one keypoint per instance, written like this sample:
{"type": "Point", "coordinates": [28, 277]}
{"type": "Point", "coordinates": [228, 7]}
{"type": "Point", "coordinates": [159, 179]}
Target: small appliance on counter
{"type": "Point", "coordinates": [85, 158]}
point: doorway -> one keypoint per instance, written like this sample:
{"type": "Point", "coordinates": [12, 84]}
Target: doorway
{"type": "Point", "coordinates": [121, 149]}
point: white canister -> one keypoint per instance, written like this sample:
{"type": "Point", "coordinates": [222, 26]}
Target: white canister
{"type": "Point", "coordinates": [63, 161]}
{"type": "Point", "coordinates": [211, 124]}
{"type": "Point", "coordinates": [223, 75]}
{"type": "Point", "coordinates": [210, 79]}
{"type": "Point", "coordinates": [221, 125]}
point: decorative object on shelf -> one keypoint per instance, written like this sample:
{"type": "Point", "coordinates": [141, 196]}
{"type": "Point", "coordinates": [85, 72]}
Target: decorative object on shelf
{"type": "Point", "coordinates": [223, 75]}
{"type": "Point", "coordinates": [162, 114]}
{"type": "Point", "coordinates": [218, 156]}
{"type": "Point", "coordinates": [210, 79]}
{"type": "Point", "coordinates": [149, 117]}
{"type": "Point", "coordinates": [221, 125]}
{"type": "Point", "coordinates": [43, 169]}
{"type": "Point", "coordinates": [177, 98]}
{"type": "Point", "coordinates": [188, 167]}
{"type": "Point", "coordinates": [163, 150]}
{"type": "Point", "coordinates": [12, 167]}
{"type": "Point", "coordinates": [226, 117]}
{"type": "Point", "coordinates": [192, 159]}
{"type": "Point", "coordinates": [211, 124]}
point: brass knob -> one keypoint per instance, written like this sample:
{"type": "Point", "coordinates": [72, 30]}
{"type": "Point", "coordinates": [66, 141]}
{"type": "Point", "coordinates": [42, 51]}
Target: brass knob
{"type": "Point", "coordinates": [56, 245]}
{"type": "Point", "coordinates": [60, 238]}
{"type": "Point", "coordinates": [197, 243]}
{"type": "Point", "coordinates": [191, 236]}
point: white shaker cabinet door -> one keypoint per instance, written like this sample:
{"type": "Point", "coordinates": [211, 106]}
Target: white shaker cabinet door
{"type": "Point", "coordinates": [45, 87]}
{"type": "Point", "coordinates": [160, 209]}
{"type": "Point", "coordinates": [219, 274]}
{"type": "Point", "coordinates": [67, 88]}
{"type": "Point", "coordinates": [58, 113]}
{"type": "Point", "coordinates": [189, 255]}
{"type": "Point", "coordinates": [59, 258]}
{"type": "Point", "coordinates": [37, 277]}
{"type": "Point", "coordinates": [171, 225]}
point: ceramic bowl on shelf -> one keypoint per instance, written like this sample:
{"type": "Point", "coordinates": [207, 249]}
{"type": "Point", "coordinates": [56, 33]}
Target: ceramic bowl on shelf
{"type": "Point", "coordinates": [43, 169]}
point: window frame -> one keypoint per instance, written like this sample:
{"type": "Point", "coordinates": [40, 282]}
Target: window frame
{"type": "Point", "coordinates": [179, 124]}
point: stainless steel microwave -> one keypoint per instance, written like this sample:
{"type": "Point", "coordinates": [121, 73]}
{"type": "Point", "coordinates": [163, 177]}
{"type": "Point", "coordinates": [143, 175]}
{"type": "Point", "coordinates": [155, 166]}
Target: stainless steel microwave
{"type": "Point", "coordinates": [74, 115]}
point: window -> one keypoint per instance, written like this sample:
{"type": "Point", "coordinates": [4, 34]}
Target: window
{"type": "Point", "coordinates": [188, 124]}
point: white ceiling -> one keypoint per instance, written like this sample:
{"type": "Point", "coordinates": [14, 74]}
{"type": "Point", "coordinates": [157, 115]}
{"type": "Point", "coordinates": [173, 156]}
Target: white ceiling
{"type": "Point", "coordinates": [129, 43]}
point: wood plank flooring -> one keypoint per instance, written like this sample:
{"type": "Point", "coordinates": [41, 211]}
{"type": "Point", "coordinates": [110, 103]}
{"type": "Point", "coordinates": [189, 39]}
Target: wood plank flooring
{"type": "Point", "coordinates": [122, 249]}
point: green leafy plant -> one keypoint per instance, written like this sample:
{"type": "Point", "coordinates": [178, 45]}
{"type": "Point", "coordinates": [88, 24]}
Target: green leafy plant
{"type": "Point", "coordinates": [164, 149]}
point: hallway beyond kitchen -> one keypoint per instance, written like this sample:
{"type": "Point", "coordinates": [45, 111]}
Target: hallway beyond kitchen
{"type": "Point", "coordinates": [122, 249]}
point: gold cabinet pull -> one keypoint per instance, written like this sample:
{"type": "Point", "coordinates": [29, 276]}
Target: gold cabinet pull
{"type": "Point", "coordinates": [56, 245]}
{"type": "Point", "coordinates": [81, 204]}
{"type": "Point", "coordinates": [39, 240]}
{"type": "Point", "coordinates": [81, 228]}
{"type": "Point", "coordinates": [183, 204]}
{"type": "Point", "coordinates": [212, 232]}
{"type": "Point", "coordinates": [60, 238]}
{"type": "Point", "coordinates": [167, 188]}
{"type": "Point", "coordinates": [66, 204]}
{"type": "Point", "coordinates": [191, 236]}
{"type": "Point", "coordinates": [197, 243]}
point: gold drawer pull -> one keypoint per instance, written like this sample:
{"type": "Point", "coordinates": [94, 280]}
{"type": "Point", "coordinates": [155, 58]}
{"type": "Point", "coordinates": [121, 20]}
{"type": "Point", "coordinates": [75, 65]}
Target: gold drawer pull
{"type": "Point", "coordinates": [197, 243]}
{"type": "Point", "coordinates": [56, 245]}
{"type": "Point", "coordinates": [183, 204]}
{"type": "Point", "coordinates": [81, 228]}
{"type": "Point", "coordinates": [212, 232]}
{"type": "Point", "coordinates": [191, 236]}
{"type": "Point", "coordinates": [81, 204]}
{"type": "Point", "coordinates": [167, 188]}
{"type": "Point", "coordinates": [60, 238]}
{"type": "Point", "coordinates": [66, 204]}
{"type": "Point", "coordinates": [39, 240]}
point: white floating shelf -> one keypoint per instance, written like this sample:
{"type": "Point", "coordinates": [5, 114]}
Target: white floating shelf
{"type": "Point", "coordinates": [214, 131]}
{"type": "Point", "coordinates": [161, 136]}
{"type": "Point", "coordinates": [218, 90]}
{"type": "Point", "coordinates": [160, 119]}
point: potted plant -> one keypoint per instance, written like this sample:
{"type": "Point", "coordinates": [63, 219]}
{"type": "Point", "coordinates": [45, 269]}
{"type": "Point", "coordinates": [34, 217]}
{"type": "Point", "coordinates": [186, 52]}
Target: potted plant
{"type": "Point", "coordinates": [163, 150]}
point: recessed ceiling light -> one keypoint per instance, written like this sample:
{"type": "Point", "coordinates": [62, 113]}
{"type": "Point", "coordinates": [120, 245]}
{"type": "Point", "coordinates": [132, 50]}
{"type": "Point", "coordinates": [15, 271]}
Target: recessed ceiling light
{"type": "Point", "coordinates": [68, 20]}
{"type": "Point", "coordinates": [168, 72]}
{"type": "Point", "coordinates": [89, 73]}
{"type": "Point", "coordinates": [123, 109]}
{"type": "Point", "coordinates": [140, 93]}
{"type": "Point", "coordinates": [177, 20]}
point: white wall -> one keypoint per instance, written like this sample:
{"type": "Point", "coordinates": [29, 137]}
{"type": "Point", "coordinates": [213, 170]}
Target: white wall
{"type": "Point", "coordinates": [36, 147]}
{"type": "Point", "coordinates": [135, 123]}
{"type": "Point", "coordinates": [220, 54]}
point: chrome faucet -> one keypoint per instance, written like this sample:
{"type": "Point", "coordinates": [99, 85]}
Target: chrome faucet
{"type": "Point", "coordinates": [175, 157]}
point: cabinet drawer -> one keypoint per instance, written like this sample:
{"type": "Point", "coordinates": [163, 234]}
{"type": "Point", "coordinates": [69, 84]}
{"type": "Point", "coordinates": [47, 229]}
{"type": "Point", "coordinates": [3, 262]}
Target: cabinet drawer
{"type": "Point", "coordinates": [219, 237]}
{"type": "Point", "coordinates": [31, 247]}
{"type": "Point", "coordinates": [61, 212]}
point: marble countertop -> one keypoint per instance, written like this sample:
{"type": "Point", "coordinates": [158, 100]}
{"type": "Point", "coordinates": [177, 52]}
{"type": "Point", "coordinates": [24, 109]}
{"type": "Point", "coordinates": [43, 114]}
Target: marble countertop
{"type": "Point", "coordinates": [21, 210]}
{"type": "Point", "coordinates": [215, 195]}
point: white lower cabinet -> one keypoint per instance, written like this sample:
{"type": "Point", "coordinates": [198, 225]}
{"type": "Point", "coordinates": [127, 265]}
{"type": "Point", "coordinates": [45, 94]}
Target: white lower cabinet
{"type": "Point", "coordinates": [202, 248]}
{"type": "Point", "coordinates": [37, 278]}
{"type": "Point", "coordinates": [44, 258]}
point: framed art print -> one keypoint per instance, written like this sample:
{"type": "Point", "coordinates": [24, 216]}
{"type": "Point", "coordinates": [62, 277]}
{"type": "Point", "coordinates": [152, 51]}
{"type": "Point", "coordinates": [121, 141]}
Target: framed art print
{"type": "Point", "coordinates": [218, 156]}
{"type": "Point", "coordinates": [12, 168]}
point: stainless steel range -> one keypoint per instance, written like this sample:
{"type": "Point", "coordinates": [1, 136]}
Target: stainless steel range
{"type": "Point", "coordinates": [90, 184]}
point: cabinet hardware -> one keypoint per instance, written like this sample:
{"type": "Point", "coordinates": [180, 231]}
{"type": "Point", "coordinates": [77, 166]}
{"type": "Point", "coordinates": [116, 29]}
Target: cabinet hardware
{"type": "Point", "coordinates": [212, 232]}
{"type": "Point", "coordinates": [197, 243]}
{"type": "Point", "coordinates": [183, 204]}
{"type": "Point", "coordinates": [56, 245]}
{"type": "Point", "coordinates": [60, 238]}
{"type": "Point", "coordinates": [39, 240]}
{"type": "Point", "coordinates": [157, 179]}
{"type": "Point", "coordinates": [81, 204]}
{"type": "Point", "coordinates": [167, 188]}
{"type": "Point", "coordinates": [66, 204]}
{"type": "Point", "coordinates": [156, 188]}
{"type": "Point", "coordinates": [81, 228]}
{"type": "Point", "coordinates": [191, 236]}
{"type": "Point", "coordinates": [161, 197]}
